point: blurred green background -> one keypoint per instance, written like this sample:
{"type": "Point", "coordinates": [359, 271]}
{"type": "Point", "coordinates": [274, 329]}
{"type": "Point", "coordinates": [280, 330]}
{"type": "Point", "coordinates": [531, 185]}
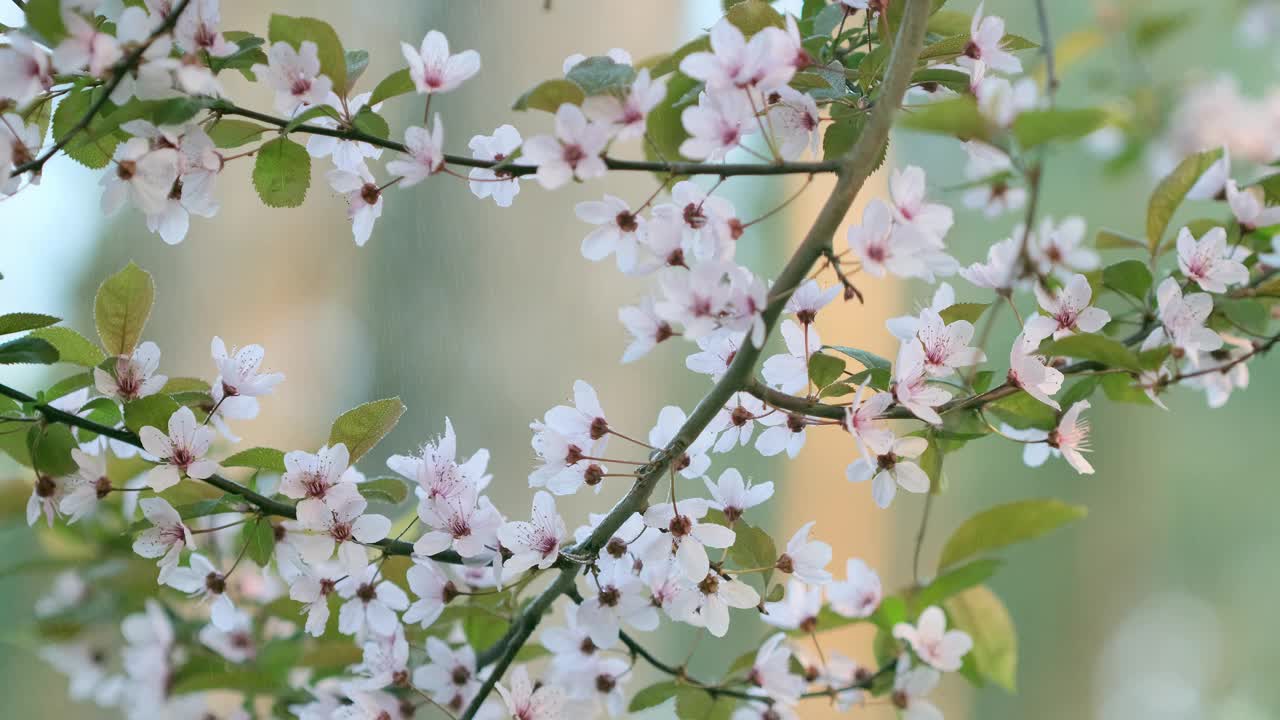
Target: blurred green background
{"type": "Point", "coordinates": [1158, 606]}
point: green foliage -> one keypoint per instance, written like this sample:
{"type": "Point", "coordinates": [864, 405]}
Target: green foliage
{"type": "Point", "coordinates": [753, 548]}
{"type": "Point", "coordinates": [599, 75]}
{"type": "Point", "coordinates": [295, 30]}
{"type": "Point", "coordinates": [153, 411]}
{"type": "Point", "coordinates": [549, 95]}
{"type": "Point", "coordinates": [752, 16]}
{"type": "Point", "coordinates": [1036, 127]}
{"type": "Point", "coordinates": [357, 63]}
{"type": "Point", "coordinates": [394, 85]}
{"type": "Point", "coordinates": [93, 146]}
{"type": "Point", "coordinates": [1130, 277]}
{"type": "Point", "coordinates": [842, 134]}
{"type": "Point", "coordinates": [1112, 240]}
{"type": "Point", "coordinates": [696, 704]}
{"type": "Point", "coordinates": [121, 308]}
{"type": "Point", "coordinates": [282, 173]}
{"type": "Point", "coordinates": [45, 17]}
{"type": "Point", "coordinates": [248, 53]}
{"type": "Point", "coordinates": [969, 311]}
{"type": "Point", "coordinates": [50, 449]}
{"type": "Point", "coordinates": [1172, 190]}
{"type": "Point", "coordinates": [371, 123]}
{"type": "Point", "coordinates": [1022, 411]}
{"type": "Point", "coordinates": [1091, 346]}
{"type": "Point", "coordinates": [18, 322]}
{"type": "Point", "coordinates": [868, 360]}
{"type": "Point", "coordinates": [995, 642]}
{"type": "Point", "coordinates": [824, 369]}
{"type": "Point", "coordinates": [259, 458]}
{"type": "Point", "coordinates": [663, 125]}
{"type": "Point", "coordinates": [653, 695]}
{"type": "Point", "coordinates": [391, 490]}
{"type": "Point", "coordinates": [28, 350]}
{"type": "Point", "coordinates": [956, 581]}
{"type": "Point", "coordinates": [361, 428]}
{"type": "Point", "coordinates": [1005, 525]}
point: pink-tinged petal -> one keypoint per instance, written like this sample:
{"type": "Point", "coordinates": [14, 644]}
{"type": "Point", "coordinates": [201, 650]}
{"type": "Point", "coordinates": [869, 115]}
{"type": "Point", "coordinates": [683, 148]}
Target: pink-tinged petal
{"type": "Point", "coordinates": [883, 488]}
{"type": "Point", "coordinates": [202, 469]}
{"type": "Point", "coordinates": [1092, 319]}
{"type": "Point", "coordinates": [182, 426]}
{"type": "Point", "coordinates": [162, 477]}
{"type": "Point", "coordinates": [432, 543]}
{"type": "Point", "coordinates": [371, 528]}
{"type": "Point", "coordinates": [155, 442]}
{"type": "Point", "coordinates": [692, 557]}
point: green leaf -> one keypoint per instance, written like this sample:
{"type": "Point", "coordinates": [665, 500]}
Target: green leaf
{"type": "Point", "coordinates": [1154, 29]}
{"type": "Point", "coordinates": [28, 350]}
{"type": "Point", "coordinates": [103, 411]}
{"type": "Point", "coordinates": [752, 16]}
{"type": "Point", "coordinates": [956, 581]}
{"type": "Point", "coordinates": [599, 75]}
{"type": "Point", "coordinates": [17, 322]}
{"type": "Point", "coordinates": [260, 458]}
{"type": "Point", "coordinates": [878, 378]}
{"type": "Point", "coordinates": [248, 53]}
{"type": "Point", "coordinates": [260, 538]}
{"type": "Point", "coordinates": [151, 411]}
{"type": "Point", "coordinates": [72, 347]}
{"type": "Point", "coordinates": [753, 548]}
{"type": "Point", "coordinates": [362, 427]}
{"type": "Point", "coordinates": [982, 381]}
{"type": "Point", "coordinates": [390, 490]}
{"type": "Point", "coordinates": [306, 116]}
{"type": "Point", "coordinates": [1022, 411]}
{"type": "Point", "coordinates": [671, 63]}
{"type": "Point", "coordinates": [45, 17]}
{"type": "Point", "coordinates": [50, 448]}
{"type": "Point", "coordinates": [1172, 190]}
{"type": "Point", "coordinates": [176, 385]}
{"type": "Point", "coordinates": [1130, 277]}
{"type": "Point", "coordinates": [1112, 240]}
{"type": "Point", "coordinates": [91, 146]}
{"type": "Point", "coordinates": [842, 134]}
{"type": "Point", "coordinates": [295, 30]}
{"type": "Point", "coordinates": [369, 122]}
{"type": "Point", "coordinates": [824, 369]}
{"type": "Point", "coordinates": [953, 80]}
{"type": "Point", "coordinates": [868, 360]}
{"type": "Point", "coordinates": [958, 117]}
{"type": "Point", "coordinates": [1248, 315]}
{"type": "Point", "coordinates": [282, 173]}
{"type": "Point", "coordinates": [482, 627]}
{"type": "Point", "coordinates": [1121, 388]}
{"type": "Point", "coordinates": [122, 307]}
{"type": "Point", "coordinates": [931, 464]}
{"type": "Point", "coordinates": [1005, 525]}
{"type": "Point", "coordinates": [696, 704]}
{"type": "Point", "coordinates": [1099, 348]}
{"type": "Point", "coordinates": [1036, 127]}
{"type": "Point", "coordinates": [549, 95]}
{"type": "Point", "coordinates": [1079, 390]}
{"type": "Point", "coordinates": [653, 695]}
{"type": "Point", "coordinates": [396, 84]}
{"type": "Point", "coordinates": [964, 311]}
{"type": "Point", "coordinates": [995, 643]}
{"type": "Point", "coordinates": [357, 63]}
{"type": "Point", "coordinates": [664, 126]}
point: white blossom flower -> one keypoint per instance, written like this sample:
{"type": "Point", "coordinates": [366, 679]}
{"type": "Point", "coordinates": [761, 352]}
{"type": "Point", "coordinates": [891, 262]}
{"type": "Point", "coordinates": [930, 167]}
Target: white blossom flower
{"type": "Point", "coordinates": [312, 587]}
{"type": "Point", "coordinates": [1209, 262]}
{"type": "Point", "coordinates": [202, 580]}
{"type": "Point", "coordinates": [859, 594]}
{"type": "Point", "coordinates": [885, 248]}
{"type": "Point", "coordinates": [1182, 321]}
{"type": "Point", "coordinates": [617, 233]}
{"type": "Point", "coordinates": [426, 154]}
{"type": "Point", "coordinates": [907, 188]}
{"type": "Point", "coordinates": [911, 387]}
{"type": "Point", "coordinates": [806, 559]}
{"type": "Point", "coordinates": [524, 701]}
{"type": "Point", "coordinates": [733, 496]}
{"type": "Point", "coordinates": [181, 452]}
{"type": "Point", "coordinates": [619, 597]}
{"type": "Point", "coordinates": [797, 610]}
{"type": "Point", "coordinates": [694, 462]}
{"type": "Point", "coordinates": [347, 155]}
{"type": "Point", "coordinates": [502, 186]}
{"type": "Point", "coordinates": [1232, 373]}
{"type": "Point", "coordinates": [433, 69]}
{"type": "Point", "coordinates": [24, 69]}
{"type": "Point", "coordinates": [434, 590]}
{"type": "Point", "coordinates": [602, 683]}
{"type": "Point", "coordinates": [573, 153]}
{"type": "Point", "coordinates": [983, 50]}
{"type": "Point", "coordinates": [718, 349]}
{"type": "Point", "coordinates": [734, 62]}
{"type": "Point", "coordinates": [645, 327]}
{"type": "Point", "coordinates": [167, 537]}
{"type": "Point", "coordinates": [364, 200]}
{"type": "Point", "coordinates": [716, 125]}
{"type": "Point", "coordinates": [1059, 248]}
{"type": "Point", "coordinates": [384, 661]}
{"type": "Point", "coordinates": [87, 487]}
{"type": "Point", "coordinates": [571, 646]}
{"type": "Point", "coordinates": [771, 670]}
{"type": "Point", "coordinates": [862, 417]}
{"type": "Point", "coordinates": [705, 222]}
{"type": "Point", "coordinates": [86, 668]}
{"type": "Point", "coordinates": [466, 522]}
{"type": "Point", "coordinates": [47, 494]}
{"type": "Point", "coordinates": [86, 47]}
{"type": "Point", "coordinates": [808, 299]}
{"type": "Point", "coordinates": [135, 375]}
{"type": "Point", "coordinates": [235, 643]}
{"type": "Point", "coordinates": [436, 470]}
{"type": "Point", "coordinates": [706, 603]}
{"type": "Point", "coordinates": [533, 543]}
{"type": "Point", "coordinates": [1250, 207]}
{"type": "Point", "coordinates": [295, 76]}
{"type": "Point", "coordinates": [370, 605]}
{"type": "Point", "coordinates": [793, 119]}
{"type": "Point", "coordinates": [946, 345]}
{"type": "Point", "coordinates": [690, 534]}
{"type": "Point", "coordinates": [1028, 370]}
{"type": "Point", "coordinates": [143, 177]}
{"type": "Point", "coordinates": [344, 526]}
{"type": "Point", "coordinates": [790, 372]}
{"type": "Point", "coordinates": [1001, 270]}
{"type": "Point", "coordinates": [316, 479]}
{"type": "Point", "coordinates": [197, 30]}
{"type": "Point", "coordinates": [932, 642]}
{"type": "Point", "coordinates": [238, 372]}
{"type": "Point", "coordinates": [625, 115]}
{"type": "Point", "coordinates": [910, 686]}
{"type": "Point", "coordinates": [1069, 310]}
{"type": "Point", "coordinates": [786, 431]}
{"type": "Point", "coordinates": [892, 465]}
{"type": "Point", "coordinates": [450, 675]}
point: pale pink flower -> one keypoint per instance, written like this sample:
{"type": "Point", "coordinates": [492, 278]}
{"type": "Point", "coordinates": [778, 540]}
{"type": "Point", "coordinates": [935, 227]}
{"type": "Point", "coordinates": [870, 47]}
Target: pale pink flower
{"type": "Point", "coordinates": [1069, 310]}
{"type": "Point", "coordinates": [433, 69]}
{"type": "Point", "coordinates": [941, 648]}
{"type": "Point", "coordinates": [181, 452]}
{"type": "Point", "coordinates": [1209, 262]}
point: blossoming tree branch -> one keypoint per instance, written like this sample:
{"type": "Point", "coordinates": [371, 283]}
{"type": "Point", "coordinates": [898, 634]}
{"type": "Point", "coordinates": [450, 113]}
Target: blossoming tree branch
{"type": "Point", "coordinates": [217, 601]}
